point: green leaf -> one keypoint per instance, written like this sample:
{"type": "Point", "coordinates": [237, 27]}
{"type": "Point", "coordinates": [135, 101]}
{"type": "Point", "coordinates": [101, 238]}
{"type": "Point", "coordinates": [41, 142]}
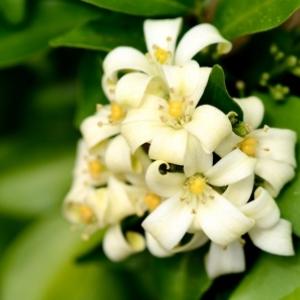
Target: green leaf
{"type": "Point", "coordinates": [40, 265]}
{"type": "Point", "coordinates": [13, 10]}
{"type": "Point", "coordinates": [181, 277]}
{"type": "Point", "coordinates": [8, 230]}
{"type": "Point", "coordinates": [216, 93]}
{"type": "Point", "coordinates": [235, 18]}
{"type": "Point", "coordinates": [272, 277]}
{"type": "Point", "coordinates": [142, 8]}
{"type": "Point", "coordinates": [286, 115]}
{"type": "Point", "coordinates": [295, 295]}
{"type": "Point", "coordinates": [89, 86]}
{"type": "Point", "coordinates": [104, 34]}
{"type": "Point", "coordinates": [33, 188]}
{"type": "Point", "coordinates": [50, 18]}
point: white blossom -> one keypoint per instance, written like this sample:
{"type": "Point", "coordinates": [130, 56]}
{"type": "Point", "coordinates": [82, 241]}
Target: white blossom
{"type": "Point", "coordinates": [161, 37]}
{"type": "Point", "coordinates": [193, 203]}
{"type": "Point", "coordinates": [273, 148]}
{"type": "Point", "coordinates": [117, 246]}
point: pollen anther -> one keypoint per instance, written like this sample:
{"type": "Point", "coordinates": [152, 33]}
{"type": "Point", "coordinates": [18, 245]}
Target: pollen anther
{"type": "Point", "coordinates": [248, 146]}
{"type": "Point", "coordinates": [117, 112]}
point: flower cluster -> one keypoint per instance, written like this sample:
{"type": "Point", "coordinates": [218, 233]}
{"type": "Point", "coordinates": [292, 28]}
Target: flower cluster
{"type": "Point", "coordinates": [160, 170]}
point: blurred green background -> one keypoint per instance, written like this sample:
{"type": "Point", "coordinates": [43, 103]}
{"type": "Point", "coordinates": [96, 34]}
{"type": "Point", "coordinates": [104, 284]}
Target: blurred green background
{"type": "Point", "coordinates": [50, 70]}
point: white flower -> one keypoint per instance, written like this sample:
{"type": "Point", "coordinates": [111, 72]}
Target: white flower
{"type": "Point", "coordinates": [90, 167]}
{"type": "Point", "coordinates": [161, 37]}
{"type": "Point", "coordinates": [105, 123]}
{"type": "Point", "coordinates": [198, 239]}
{"type": "Point", "coordinates": [222, 260]}
{"type": "Point", "coordinates": [273, 148]}
{"type": "Point", "coordinates": [177, 130]}
{"type": "Point", "coordinates": [118, 246]}
{"type": "Point", "coordinates": [193, 202]}
{"type": "Point", "coordinates": [270, 233]}
{"type": "Point", "coordinates": [81, 205]}
{"type": "Point", "coordinates": [93, 207]}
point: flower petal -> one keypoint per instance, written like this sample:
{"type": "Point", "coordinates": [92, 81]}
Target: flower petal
{"type": "Point", "coordinates": [232, 168]}
{"type": "Point", "coordinates": [164, 184]}
{"type": "Point", "coordinates": [82, 199]}
{"type": "Point", "coordinates": [125, 58]}
{"type": "Point", "coordinates": [276, 174]}
{"type": "Point", "coordinates": [118, 156]}
{"type": "Point", "coordinates": [169, 145]}
{"type": "Point", "coordinates": [188, 81]}
{"type": "Point", "coordinates": [77, 195]}
{"type": "Point", "coordinates": [198, 240]}
{"type": "Point", "coordinates": [169, 222]}
{"type": "Point", "coordinates": [142, 124]}
{"type": "Point", "coordinates": [276, 144]}
{"type": "Point", "coordinates": [198, 38]}
{"type": "Point", "coordinates": [221, 221]}
{"type": "Point", "coordinates": [239, 193]}
{"type": "Point", "coordinates": [97, 128]}
{"type": "Point", "coordinates": [275, 240]}
{"type": "Point", "coordinates": [162, 34]}
{"type": "Point", "coordinates": [81, 152]}
{"type": "Point", "coordinates": [155, 248]}
{"type": "Point", "coordinates": [116, 247]}
{"type": "Point", "coordinates": [120, 205]}
{"type": "Point", "coordinates": [210, 126]}
{"type": "Point", "coordinates": [225, 260]}
{"type": "Point", "coordinates": [196, 160]}
{"type": "Point", "coordinates": [263, 209]}
{"type": "Point", "coordinates": [132, 87]}
{"type": "Point", "coordinates": [253, 110]}
{"type": "Point", "coordinates": [139, 133]}
{"type": "Point", "coordinates": [228, 144]}
{"type": "Point", "coordinates": [99, 201]}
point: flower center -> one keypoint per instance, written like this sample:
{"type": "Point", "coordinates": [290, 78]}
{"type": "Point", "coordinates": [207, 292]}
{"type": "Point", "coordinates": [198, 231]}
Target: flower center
{"type": "Point", "coordinates": [248, 146]}
{"type": "Point", "coordinates": [117, 112]}
{"type": "Point", "coordinates": [152, 201]}
{"type": "Point", "coordinates": [176, 108]}
{"type": "Point", "coordinates": [95, 168]}
{"type": "Point", "coordinates": [161, 54]}
{"type": "Point", "coordinates": [196, 184]}
{"type": "Point", "coordinates": [86, 214]}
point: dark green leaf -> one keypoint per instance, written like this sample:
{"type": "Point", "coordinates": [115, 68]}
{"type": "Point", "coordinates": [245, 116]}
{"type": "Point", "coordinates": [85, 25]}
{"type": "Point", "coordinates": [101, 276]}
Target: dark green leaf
{"type": "Point", "coordinates": [50, 18]}
{"type": "Point", "coordinates": [181, 277]}
{"type": "Point", "coordinates": [103, 34]}
{"type": "Point", "coordinates": [13, 10]}
{"type": "Point", "coordinates": [286, 115]}
{"type": "Point", "coordinates": [272, 277]}
{"type": "Point", "coordinates": [41, 266]}
{"type": "Point", "coordinates": [216, 93]}
{"type": "Point", "coordinates": [235, 18]}
{"type": "Point", "coordinates": [8, 231]}
{"type": "Point", "coordinates": [142, 8]}
{"type": "Point", "coordinates": [89, 86]}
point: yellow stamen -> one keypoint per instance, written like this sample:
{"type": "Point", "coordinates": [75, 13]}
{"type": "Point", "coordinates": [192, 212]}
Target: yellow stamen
{"type": "Point", "coordinates": [176, 108]}
{"type": "Point", "coordinates": [117, 112]}
{"type": "Point", "coordinates": [152, 201]}
{"type": "Point", "coordinates": [161, 55]}
{"type": "Point", "coordinates": [95, 168]}
{"type": "Point", "coordinates": [87, 216]}
{"type": "Point", "coordinates": [196, 185]}
{"type": "Point", "coordinates": [248, 146]}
